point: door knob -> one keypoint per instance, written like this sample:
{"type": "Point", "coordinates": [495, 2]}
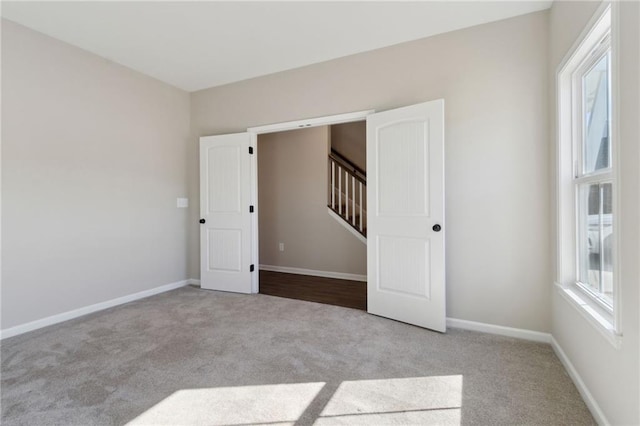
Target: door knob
{"type": "Point", "coordinates": [202, 221]}
{"type": "Point", "coordinates": [437, 228]}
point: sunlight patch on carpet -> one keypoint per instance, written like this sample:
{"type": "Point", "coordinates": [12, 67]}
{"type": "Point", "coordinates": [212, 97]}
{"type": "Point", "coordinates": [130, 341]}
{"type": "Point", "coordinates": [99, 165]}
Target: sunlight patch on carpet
{"type": "Point", "coordinates": [274, 404]}
{"type": "Point", "coordinates": [414, 400]}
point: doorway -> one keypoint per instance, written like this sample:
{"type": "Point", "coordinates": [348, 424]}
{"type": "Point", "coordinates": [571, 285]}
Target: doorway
{"type": "Point", "coordinates": [306, 251]}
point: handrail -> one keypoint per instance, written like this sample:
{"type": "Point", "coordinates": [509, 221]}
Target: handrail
{"type": "Point", "coordinates": [349, 167]}
{"type": "Point", "coordinates": [346, 162]}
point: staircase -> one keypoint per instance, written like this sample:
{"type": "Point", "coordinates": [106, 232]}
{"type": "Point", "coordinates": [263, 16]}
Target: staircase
{"type": "Point", "coordinates": [347, 192]}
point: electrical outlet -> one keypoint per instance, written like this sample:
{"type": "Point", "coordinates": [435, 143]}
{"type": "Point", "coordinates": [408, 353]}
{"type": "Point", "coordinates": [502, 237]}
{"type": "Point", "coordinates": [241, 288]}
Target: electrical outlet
{"type": "Point", "coordinates": [281, 245]}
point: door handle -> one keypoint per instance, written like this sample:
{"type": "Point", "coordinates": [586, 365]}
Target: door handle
{"type": "Point", "coordinates": [437, 227]}
{"type": "Point", "coordinates": [202, 221]}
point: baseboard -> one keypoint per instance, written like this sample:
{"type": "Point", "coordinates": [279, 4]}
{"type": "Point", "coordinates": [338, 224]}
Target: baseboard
{"type": "Point", "coordinates": [588, 398]}
{"type": "Point", "coordinates": [65, 316]}
{"type": "Point", "coordinates": [519, 333]}
{"type": "Point", "coordinates": [193, 281]}
{"type": "Point", "coordinates": [314, 273]}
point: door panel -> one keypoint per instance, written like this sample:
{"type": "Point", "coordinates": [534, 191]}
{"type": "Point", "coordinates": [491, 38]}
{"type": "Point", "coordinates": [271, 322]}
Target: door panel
{"type": "Point", "coordinates": [224, 168]}
{"type": "Point", "coordinates": [405, 190]}
{"type": "Point", "coordinates": [405, 268]}
{"type": "Point", "coordinates": [225, 237]}
{"type": "Point", "coordinates": [225, 250]}
{"type": "Point", "coordinates": [403, 169]}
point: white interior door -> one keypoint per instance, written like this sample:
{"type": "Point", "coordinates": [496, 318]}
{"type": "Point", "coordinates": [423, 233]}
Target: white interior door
{"type": "Point", "coordinates": [405, 192]}
{"type": "Point", "coordinates": [225, 219]}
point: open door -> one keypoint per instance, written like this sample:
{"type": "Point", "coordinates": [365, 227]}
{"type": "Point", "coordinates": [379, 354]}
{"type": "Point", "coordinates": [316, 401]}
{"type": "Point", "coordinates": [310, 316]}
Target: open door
{"type": "Point", "coordinates": [405, 192]}
{"type": "Point", "coordinates": [225, 218]}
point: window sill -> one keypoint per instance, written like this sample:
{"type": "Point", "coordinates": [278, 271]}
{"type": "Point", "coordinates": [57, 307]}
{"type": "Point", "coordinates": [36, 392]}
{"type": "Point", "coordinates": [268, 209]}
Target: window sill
{"type": "Point", "coordinates": [585, 307]}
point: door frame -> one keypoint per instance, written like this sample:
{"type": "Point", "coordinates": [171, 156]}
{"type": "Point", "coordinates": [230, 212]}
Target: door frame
{"type": "Point", "coordinates": [282, 127]}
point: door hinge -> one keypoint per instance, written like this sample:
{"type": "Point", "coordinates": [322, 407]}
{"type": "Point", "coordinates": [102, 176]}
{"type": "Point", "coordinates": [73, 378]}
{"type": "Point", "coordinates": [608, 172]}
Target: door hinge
{"type": "Point", "coordinates": [250, 209]}
{"type": "Point", "coordinates": [252, 268]}
{"type": "Point", "coordinates": [250, 150]}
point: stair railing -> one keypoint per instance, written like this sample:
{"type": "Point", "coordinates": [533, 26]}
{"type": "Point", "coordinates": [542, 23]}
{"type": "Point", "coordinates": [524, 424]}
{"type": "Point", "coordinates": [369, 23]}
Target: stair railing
{"type": "Point", "coordinates": [348, 191]}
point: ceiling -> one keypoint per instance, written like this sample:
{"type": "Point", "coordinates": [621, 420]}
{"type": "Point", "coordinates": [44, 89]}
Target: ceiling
{"type": "Point", "coordinates": [196, 45]}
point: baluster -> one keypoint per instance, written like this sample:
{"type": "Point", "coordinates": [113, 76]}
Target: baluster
{"type": "Point", "coordinates": [361, 217]}
{"type": "Point", "coordinates": [333, 185]}
{"type": "Point", "coordinates": [353, 201]}
{"type": "Point", "coordinates": [329, 182]}
{"type": "Point", "coordinates": [339, 189]}
{"type": "Point", "coordinates": [346, 195]}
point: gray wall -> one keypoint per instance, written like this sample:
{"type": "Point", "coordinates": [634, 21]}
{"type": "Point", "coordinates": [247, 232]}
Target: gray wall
{"type": "Point", "coordinates": [292, 195]}
{"type": "Point", "coordinates": [350, 140]}
{"type": "Point", "coordinates": [494, 80]}
{"type": "Point", "coordinates": [93, 158]}
{"type": "Point", "coordinates": [611, 375]}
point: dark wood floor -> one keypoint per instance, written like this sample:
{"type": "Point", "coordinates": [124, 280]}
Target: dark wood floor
{"type": "Point", "coordinates": [350, 294]}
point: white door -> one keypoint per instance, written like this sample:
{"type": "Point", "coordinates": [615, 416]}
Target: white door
{"type": "Point", "coordinates": [225, 218]}
{"type": "Point", "coordinates": [405, 192]}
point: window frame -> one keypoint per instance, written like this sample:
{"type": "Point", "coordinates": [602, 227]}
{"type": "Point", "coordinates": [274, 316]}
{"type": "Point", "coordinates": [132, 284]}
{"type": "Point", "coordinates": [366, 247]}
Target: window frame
{"type": "Point", "coordinates": [598, 38]}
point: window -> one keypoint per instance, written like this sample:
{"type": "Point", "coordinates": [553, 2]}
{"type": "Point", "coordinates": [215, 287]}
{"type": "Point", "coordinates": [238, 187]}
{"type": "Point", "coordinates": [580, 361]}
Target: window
{"type": "Point", "coordinates": [586, 176]}
{"type": "Point", "coordinates": [594, 175]}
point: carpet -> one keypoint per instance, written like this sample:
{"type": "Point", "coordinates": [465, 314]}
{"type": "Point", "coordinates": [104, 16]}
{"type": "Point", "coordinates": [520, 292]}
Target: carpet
{"type": "Point", "coordinates": [200, 357]}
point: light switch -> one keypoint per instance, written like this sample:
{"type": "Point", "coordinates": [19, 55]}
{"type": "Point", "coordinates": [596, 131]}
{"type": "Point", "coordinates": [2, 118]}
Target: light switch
{"type": "Point", "coordinates": [182, 203]}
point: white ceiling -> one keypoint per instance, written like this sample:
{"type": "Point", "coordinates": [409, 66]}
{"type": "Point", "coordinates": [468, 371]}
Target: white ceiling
{"type": "Point", "coordinates": [195, 45]}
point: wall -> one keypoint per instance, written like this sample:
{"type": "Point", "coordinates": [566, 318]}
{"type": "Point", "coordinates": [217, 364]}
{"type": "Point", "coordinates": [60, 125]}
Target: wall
{"type": "Point", "coordinates": [94, 156]}
{"type": "Point", "coordinates": [611, 375]}
{"type": "Point", "coordinates": [350, 140]}
{"type": "Point", "coordinates": [292, 191]}
{"type": "Point", "coordinates": [493, 78]}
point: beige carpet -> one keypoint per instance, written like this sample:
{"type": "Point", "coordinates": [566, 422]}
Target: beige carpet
{"type": "Point", "coordinates": [192, 356]}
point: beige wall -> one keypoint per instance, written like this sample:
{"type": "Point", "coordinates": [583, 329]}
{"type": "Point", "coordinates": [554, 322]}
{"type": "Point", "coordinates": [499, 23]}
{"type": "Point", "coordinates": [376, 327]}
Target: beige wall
{"type": "Point", "coordinates": [611, 375]}
{"type": "Point", "coordinates": [350, 140]}
{"type": "Point", "coordinates": [292, 191]}
{"type": "Point", "coordinates": [94, 156]}
{"type": "Point", "coordinates": [493, 78]}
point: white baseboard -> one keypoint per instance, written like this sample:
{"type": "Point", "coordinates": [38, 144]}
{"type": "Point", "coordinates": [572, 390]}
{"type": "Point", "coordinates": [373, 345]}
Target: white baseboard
{"type": "Point", "coordinates": [193, 281]}
{"type": "Point", "coordinates": [593, 406]}
{"type": "Point", "coordinates": [65, 316]}
{"type": "Point", "coordinates": [314, 273]}
{"type": "Point", "coordinates": [519, 333]}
